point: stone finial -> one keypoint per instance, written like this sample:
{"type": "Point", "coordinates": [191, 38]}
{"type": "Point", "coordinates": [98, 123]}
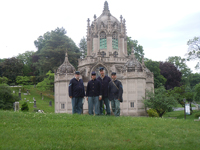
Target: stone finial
{"type": "Point", "coordinates": [95, 17]}
{"type": "Point", "coordinates": [106, 6]}
{"type": "Point", "coordinates": [132, 52]}
{"type": "Point", "coordinates": [124, 21]}
{"type": "Point", "coordinates": [109, 16]}
{"type": "Point", "coordinates": [88, 22]}
{"type": "Point", "coordinates": [121, 18]}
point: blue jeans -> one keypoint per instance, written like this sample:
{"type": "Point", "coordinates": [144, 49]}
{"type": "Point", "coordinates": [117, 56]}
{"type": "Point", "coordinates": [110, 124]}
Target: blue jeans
{"type": "Point", "coordinates": [107, 103]}
{"type": "Point", "coordinates": [115, 104]}
{"type": "Point", "coordinates": [93, 101]}
{"type": "Point", "coordinates": [77, 105]}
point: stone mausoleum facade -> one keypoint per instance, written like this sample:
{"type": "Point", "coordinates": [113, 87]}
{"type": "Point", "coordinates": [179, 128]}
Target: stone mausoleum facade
{"type": "Point", "coordinates": [106, 47]}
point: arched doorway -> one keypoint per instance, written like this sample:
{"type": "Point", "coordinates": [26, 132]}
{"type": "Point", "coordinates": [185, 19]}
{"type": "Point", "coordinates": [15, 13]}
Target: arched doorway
{"type": "Point", "coordinates": [96, 69]}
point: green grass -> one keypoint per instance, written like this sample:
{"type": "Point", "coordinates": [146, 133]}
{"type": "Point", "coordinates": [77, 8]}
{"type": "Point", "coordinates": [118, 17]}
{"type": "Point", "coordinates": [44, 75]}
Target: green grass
{"type": "Point", "coordinates": [20, 130]}
{"type": "Point", "coordinates": [41, 104]}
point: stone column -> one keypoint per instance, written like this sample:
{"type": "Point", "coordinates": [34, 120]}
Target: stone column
{"type": "Point", "coordinates": [88, 47]}
{"type": "Point", "coordinates": [109, 44]}
{"type": "Point", "coordinates": [121, 48]}
{"type": "Point", "coordinates": [125, 46]}
{"type": "Point", "coordinates": [95, 44]}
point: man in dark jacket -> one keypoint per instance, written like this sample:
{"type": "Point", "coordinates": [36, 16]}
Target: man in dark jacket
{"type": "Point", "coordinates": [115, 91]}
{"type": "Point", "coordinates": [93, 94]}
{"type": "Point", "coordinates": [104, 83]}
{"type": "Point", "coordinates": [76, 93]}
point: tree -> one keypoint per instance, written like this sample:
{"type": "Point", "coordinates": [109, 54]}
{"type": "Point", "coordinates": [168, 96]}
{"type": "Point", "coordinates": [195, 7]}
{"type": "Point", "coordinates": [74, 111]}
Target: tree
{"type": "Point", "coordinates": [180, 64]}
{"type": "Point", "coordinates": [7, 98]}
{"type": "Point", "coordinates": [83, 46]}
{"type": "Point", "coordinates": [12, 68]}
{"type": "Point", "coordinates": [3, 80]}
{"type": "Point", "coordinates": [194, 78]}
{"type": "Point", "coordinates": [47, 83]}
{"type": "Point", "coordinates": [197, 92]}
{"type": "Point", "coordinates": [26, 59]}
{"type": "Point", "coordinates": [138, 49]}
{"type": "Point", "coordinates": [160, 100]}
{"type": "Point", "coordinates": [153, 66]}
{"type": "Point", "coordinates": [171, 73]}
{"type": "Point", "coordinates": [51, 51]}
{"type": "Point", "coordinates": [194, 50]}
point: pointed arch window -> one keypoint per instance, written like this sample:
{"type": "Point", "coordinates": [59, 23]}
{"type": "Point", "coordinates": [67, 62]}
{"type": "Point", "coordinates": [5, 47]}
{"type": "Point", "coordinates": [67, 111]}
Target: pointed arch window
{"type": "Point", "coordinates": [103, 40]}
{"type": "Point", "coordinates": [115, 40]}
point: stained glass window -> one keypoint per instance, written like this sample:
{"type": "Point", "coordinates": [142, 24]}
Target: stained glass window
{"type": "Point", "coordinates": [114, 41]}
{"type": "Point", "coordinates": [103, 40]}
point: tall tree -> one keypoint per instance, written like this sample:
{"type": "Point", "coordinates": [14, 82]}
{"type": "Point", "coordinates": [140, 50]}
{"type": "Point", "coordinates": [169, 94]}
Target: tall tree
{"type": "Point", "coordinates": [197, 93]}
{"type": "Point", "coordinates": [194, 78]}
{"type": "Point", "coordinates": [180, 64]}
{"type": "Point", "coordinates": [153, 66]}
{"type": "Point", "coordinates": [171, 73]}
{"type": "Point", "coordinates": [52, 47]}
{"type": "Point", "coordinates": [12, 68]}
{"type": "Point", "coordinates": [194, 50]}
{"type": "Point", "coordinates": [26, 59]}
{"type": "Point", "coordinates": [138, 49]}
{"type": "Point", "coordinates": [83, 46]}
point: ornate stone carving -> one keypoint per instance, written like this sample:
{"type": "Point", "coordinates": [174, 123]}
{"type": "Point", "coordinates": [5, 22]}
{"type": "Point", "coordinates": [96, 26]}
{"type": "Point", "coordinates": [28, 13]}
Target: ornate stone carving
{"type": "Point", "coordinates": [66, 67]}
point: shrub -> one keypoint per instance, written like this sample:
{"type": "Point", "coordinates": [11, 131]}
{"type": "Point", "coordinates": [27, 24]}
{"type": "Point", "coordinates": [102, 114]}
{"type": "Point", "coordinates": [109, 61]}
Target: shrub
{"type": "Point", "coordinates": [7, 98]}
{"type": "Point", "coordinates": [152, 113]}
{"type": "Point", "coordinates": [197, 115]}
{"type": "Point", "coordinates": [25, 107]}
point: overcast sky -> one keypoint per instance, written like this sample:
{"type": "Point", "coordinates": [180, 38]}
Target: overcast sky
{"type": "Point", "coordinates": [162, 27]}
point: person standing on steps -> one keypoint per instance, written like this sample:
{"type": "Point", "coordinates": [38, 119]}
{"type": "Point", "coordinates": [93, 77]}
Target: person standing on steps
{"type": "Point", "coordinates": [115, 91]}
{"type": "Point", "coordinates": [76, 93]}
{"type": "Point", "coordinates": [104, 83]}
{"type": "Point", "coordinates": [93, 94]}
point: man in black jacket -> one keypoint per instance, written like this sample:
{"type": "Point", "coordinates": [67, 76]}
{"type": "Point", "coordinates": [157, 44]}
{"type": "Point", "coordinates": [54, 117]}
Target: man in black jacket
{"type": "Point", "coordinates": [104, 83]}
{"type": "Point", "coordinates": [93, 94]}
{"type": "Point", "coordinates": [115, 91]}
{"type": "Point", "coordinates": [76, 93]}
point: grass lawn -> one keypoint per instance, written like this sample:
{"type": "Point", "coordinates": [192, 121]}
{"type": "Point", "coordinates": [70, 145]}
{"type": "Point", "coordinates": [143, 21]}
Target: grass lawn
{"type": "Point", "coordinates": [19, 130]}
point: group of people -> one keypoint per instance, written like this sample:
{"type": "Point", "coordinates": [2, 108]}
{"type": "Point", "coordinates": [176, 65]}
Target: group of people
{"type": "Point", "coordinates": [99, 91]}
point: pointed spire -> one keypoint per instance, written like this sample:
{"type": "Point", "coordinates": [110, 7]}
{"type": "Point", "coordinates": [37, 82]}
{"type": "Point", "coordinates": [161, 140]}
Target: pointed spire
{"type": "Point", "coordinates": [121, 18]}
{"type": "Point", "coordinates": [106, 6]}
{"type": "Point", "coordinates": [66, 56]}
{"type": "Point", "coordinates": [95, 17]}
{"type": "Point", "coordinates": [88, 22]}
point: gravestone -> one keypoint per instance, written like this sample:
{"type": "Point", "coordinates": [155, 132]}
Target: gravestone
{"type": "Point", "coordinates": [50, 103]}
{"type": "Point", "coordinates": [20, 94]}
{"type": "Point", "coordinates": [35, 104]}
{"type": "Point", "coordinates": [34, 85]}
{"type": "Point", "coordinates": [27, 92]}
{"type": "Point", "coordinates": [42, 97]}
{"type": "Point", "coordinates": [41, 94]}
{"type": "Point", "coordinates": [14, 92]}
{"type": "Point", "coordinates": [16, 106]}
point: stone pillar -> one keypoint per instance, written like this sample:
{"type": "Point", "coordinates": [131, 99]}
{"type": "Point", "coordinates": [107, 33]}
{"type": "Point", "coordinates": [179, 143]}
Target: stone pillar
{"type": "Point", "coordinates": [109, 44]}
{"type": "Point", "coordinates": [88, 47]}
{"type": "Point", "coordinates": [125, 46]}
{"type": "Point", "coordinates": [121, 48]}
{"type": "Point", "coordinates": [95, 44]}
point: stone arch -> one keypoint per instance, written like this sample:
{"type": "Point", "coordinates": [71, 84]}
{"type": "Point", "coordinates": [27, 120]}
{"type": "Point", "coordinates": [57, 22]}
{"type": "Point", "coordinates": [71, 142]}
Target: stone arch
{"type": "Point", "coordinates": [96, 69]}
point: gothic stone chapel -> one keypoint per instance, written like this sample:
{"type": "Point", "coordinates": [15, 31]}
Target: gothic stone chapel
{"type": "Point", "coordinates": [106, 47]}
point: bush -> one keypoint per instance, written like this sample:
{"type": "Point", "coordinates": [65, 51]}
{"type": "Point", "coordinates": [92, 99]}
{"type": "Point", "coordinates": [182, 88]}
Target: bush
{"type": "Point", "coordinates": [152, 113]}
{"type": "Point", "coordinates": [197, 115]}
{"type": "Point", "coordinates": [7, 98]}
{"type": "Point", "coordinates": [25, 107]}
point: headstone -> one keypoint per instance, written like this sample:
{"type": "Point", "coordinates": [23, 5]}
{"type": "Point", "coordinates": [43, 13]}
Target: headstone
{"type": "Point", "coordinates": [50, 103]}
{"type": "Point", "coordinates": [16, 106]}
{"type": "Point", "coordinates": [14, 92]}
{"type": "Point", "coordinates": [42, 97]}
{"type": "Point", "coordinates": [34, 85]}
{"type": "Point", "coordinates": [24, 98]}
{"type": "Point", "coordinates": [35, 104]}
{"type": "Point", "coordinates": [25, 93]}
{"type": "Point", "coordinates": [20, 96]}
{"type": "Point", "coordinates": [33, 98]}
{"type": "Point", "coordinates": [19, 90]}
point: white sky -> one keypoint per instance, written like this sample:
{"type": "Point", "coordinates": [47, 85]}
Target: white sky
{"type": "Point", "coordinates": [162, 27]}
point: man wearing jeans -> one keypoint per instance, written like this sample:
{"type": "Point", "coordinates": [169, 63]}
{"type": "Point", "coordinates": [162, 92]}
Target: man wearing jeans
{"type": "Point", "coordinates": [115, 91]}
{"type": "Point", "coordinates": [76, 93]}
{"type": "Point", "coordinates": [104, 83]}
{"type": "Point", "coordinates": [93, 94]}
